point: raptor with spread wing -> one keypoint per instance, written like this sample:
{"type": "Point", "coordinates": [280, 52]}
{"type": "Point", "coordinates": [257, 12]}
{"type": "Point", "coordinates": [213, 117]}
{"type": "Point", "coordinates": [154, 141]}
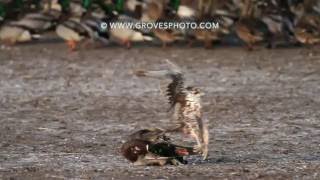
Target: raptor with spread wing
{"type": "Point", "coordinates": [186, 102]}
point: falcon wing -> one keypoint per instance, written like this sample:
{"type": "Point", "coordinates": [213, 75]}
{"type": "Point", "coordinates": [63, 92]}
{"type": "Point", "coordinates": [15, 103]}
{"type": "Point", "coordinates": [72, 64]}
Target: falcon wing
{"type": "Point", "coordinates": [175, 87]}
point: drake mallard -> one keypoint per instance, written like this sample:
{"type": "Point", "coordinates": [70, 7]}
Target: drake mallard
{"type": "Point", "coordinates": [250, 29]}
{"type": "Point", "coordinates": [77, 28]}
{"type": "Point", "coordinates": [151, 147]}
{"type": "Point", "coordinates": [186, 103]}
{"type": "Point", "coordinates": [73, 30]}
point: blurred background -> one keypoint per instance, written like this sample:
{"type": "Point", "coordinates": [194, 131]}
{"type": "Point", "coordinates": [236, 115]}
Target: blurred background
{"type": "Point", "coordinates": [241, 22]}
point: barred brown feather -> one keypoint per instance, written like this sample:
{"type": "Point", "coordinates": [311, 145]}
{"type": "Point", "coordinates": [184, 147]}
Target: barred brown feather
{"type": "Point", "coordinates": [175, 88]}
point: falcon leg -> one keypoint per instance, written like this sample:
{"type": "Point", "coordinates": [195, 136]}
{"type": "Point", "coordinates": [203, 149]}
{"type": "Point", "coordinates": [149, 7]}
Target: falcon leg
{"type": "Point", "coordinates": [200, 148]}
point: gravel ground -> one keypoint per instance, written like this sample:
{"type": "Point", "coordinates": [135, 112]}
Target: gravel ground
{"type": "Point", "coordinates": [64, 115]}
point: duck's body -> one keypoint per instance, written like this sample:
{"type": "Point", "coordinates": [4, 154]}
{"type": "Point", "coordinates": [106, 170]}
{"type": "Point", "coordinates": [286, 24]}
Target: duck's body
{"type": "Point", "coordinates": [152, 135]}
{"type": "Point", "coordinates": [75, 30]}
{"type": "Point", "coordinates": [80, 28]}
{"type": "Point", "coordinates": [152, 11]}
{"type": "Point", "coordinates": [221, 20]}
{"type": "Point", "coordinates": [279, 19]}
{"type": "Point", "coordinates": [308, 35]}
{"type": "Point", "coordinates": [148, 147]}
{"type": "Point", "coordinates": [207, 36]}
{"type": "Point", "coordinates": [186, 102]}
{"type": "Point", "coordinates": [72, 31]}
{"type": "Point", "coordinates": [252, 31]}
{"type": "Point", "coordinates": [307, 28]}
{"type": "Point", "coordinates": [36, 21]}
{"type": "Point", "coordinates": [126, 35]}
{"type": "Point", "coordinates": [11, 35]}
{"type": "Point", "coordinates": [166, 36]}
{"type": "Point", "coordinates": [249, 29]}
{"type": "Point", "coordinates": [29, 26]}
{"type": "Point", "coordinates": [145, 153]}
{"type": "Point", "coordinates": [186, 12]}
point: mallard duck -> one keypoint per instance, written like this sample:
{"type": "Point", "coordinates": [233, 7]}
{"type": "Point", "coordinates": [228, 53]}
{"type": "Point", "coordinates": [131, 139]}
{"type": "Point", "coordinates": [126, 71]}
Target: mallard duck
{"type": "Point", "coordinates": [12, 34]}
{"type": "Point", "coordinates": [307, 28]}
{"type": "Point", "coordinates": [147, 147]}
{"type": "Point", "coordinates": [186, 103]}
{"type": "Point", "coordinates": [29, 26]}
{"type": "Point", "coordinates": [41, 21]}
{"type": "Point", "coordinates": [249, 29]}
{"type": "Point", "coordinates": [308, 36]}
{"type": "Point", "coordinates": [153, 11]}
{"type": "Point", "coordinates": [166, 36]}
{"type": "Point", "coordinates": [152, 134]}
{"type": "Point", "coordinates": [77, 28]}
{"type": "Point", "coordinates": [126, 35]}
{"type": "Point", "coordinates": [206, 36]}
{"type": "Point", "coordinates": [38, 22]}
{"type": "Point", "coordinates": [279, 19]}
{"type": "Point", "coordinates": [73, 31]}
{"type": "Point", "coordinates": [211, 11]}
{"type": "Point", "coordinates": [186, 12]}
